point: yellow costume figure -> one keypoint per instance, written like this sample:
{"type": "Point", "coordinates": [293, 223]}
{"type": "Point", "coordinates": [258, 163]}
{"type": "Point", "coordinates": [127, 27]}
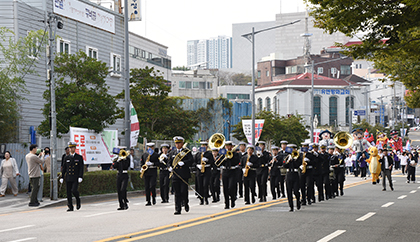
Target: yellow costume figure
{"type": "Point", "coordinates": [374, 165]}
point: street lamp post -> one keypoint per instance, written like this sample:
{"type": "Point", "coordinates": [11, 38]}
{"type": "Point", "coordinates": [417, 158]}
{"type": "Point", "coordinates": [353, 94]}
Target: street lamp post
{"type": "Point", "coordinates": [251, 38]}
{"type": "Point", "coordinates": [127, 121]}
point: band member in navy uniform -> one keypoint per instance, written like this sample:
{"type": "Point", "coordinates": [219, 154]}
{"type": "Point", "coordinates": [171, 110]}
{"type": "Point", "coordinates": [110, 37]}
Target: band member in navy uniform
{"type": "Point", "coordinates": [316, 170]}
{"type": "Point", "coordinates": [292, 163]}
{"type": "Point", "coordinates": [230, 164]}
{"type": "Point", "coordinates": [204, 160]}
{"type": "Point", "coordinates": [249, 163]}
{"type": "Point", "coordinates": [332, 158]}
{"type": "Point", "coordinates": [339, 171]}
{"type": "Point", "coordinates": [262, 172]}
{"type": "Point", "coordinates": [239, 172]}
{"type": "Point", "coordinates": [281, 157]}
{"type": "Point", "coordinates": [307, 179]}
{"type": "Point", "coordinates": [274, 165]}
{"type": "Point", "coordinates": [324, 163]}
{"type": "Point", "coordinates": [149, 163]}
{"type": "Point", "coordinates": [164, 173]}
{"type": "Point", "coordinates": [72, 171]}
{"type": "Point", "coordinates": [215, 176]}
{"type": "Point", "coordinates": [180, 160]}
{"type": "Point", "coordinates": [122, 164]}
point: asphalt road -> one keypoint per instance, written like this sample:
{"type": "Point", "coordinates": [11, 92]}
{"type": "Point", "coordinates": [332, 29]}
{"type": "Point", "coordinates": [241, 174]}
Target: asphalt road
{"type": "Point", "coordinates": [384, 216]}
{"type": "Point", "coordinates": [414, 137]}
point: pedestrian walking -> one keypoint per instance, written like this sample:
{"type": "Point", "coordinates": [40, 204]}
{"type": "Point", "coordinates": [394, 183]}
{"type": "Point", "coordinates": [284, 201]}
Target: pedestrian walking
{"type": "Point", "coordinates": [8, 173]}
{"type": "Point", "coordinates": [34, 161]}
{"type": "Point", "coordinates": [386, 166]}
{"type": "Point", "coordinates": [411, 168]}
{"type": "Point", "coordinates": [403, 162]}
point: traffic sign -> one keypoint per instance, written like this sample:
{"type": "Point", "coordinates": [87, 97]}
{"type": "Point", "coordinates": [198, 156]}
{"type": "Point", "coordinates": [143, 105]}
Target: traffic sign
{"type": "Point", "coordinates": [359, 112]}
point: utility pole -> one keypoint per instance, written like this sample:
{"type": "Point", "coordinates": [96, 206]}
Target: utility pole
{"type": "Point", "coordinates": [52, 27]}
{"type": "Point", "coordinates": [394, 109]}
{"type": "Point", "coordinates": [127, 99]}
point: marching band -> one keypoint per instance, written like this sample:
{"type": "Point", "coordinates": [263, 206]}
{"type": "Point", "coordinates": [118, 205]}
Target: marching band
{"type": "Point", "coordinates": [244, 165]}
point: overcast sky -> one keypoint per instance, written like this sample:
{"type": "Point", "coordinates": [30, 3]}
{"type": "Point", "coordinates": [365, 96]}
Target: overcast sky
{"type": "Point", "coordinates": [173, 23]}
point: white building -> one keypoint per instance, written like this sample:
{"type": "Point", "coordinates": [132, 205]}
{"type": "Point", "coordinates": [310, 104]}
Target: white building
{"type": "Point", "coordinates": [194, 84]}
{"type": "Point", "coordinates": [293, 96]}
{"type": "Point", "coordinates": [214, 53]}
{"type": "Point", "coordinates": [235, 93]}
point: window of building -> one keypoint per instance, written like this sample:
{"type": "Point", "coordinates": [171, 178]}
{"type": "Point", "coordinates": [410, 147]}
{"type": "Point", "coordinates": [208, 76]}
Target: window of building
{"type": "Point", "coordinates": [202, 85]}
{"type": "Point", "coordinates": [267, 73]}
{"type": "Point", "coordinates": [92, 52]}
{"type": "Point", "coordinates": [259, 105]}
{"type": "Point", "coordinates": [188, 85]}
{"type": "Point", "coordinates": [347, 109]}
{"type": "Point", "coordinates": [209, 85]}
{"type": "Point", "coordinates": [259, 74]}
{"type": "Point", "coordinates": [63, 46]}
{"type": "Point", "coordinates": [182, 85]}
{"type": "Point", "coordinates": [317, 108]}
{"type": "Point", "coordinates": [333, 110]}
{"type": "Point", "coordinates": [195, 85]}
{"type": "Point", "coordinates": [115, 65]}
{"type": "Point", "coordinates": [320, 70]}
{"type": "Point", "coordinates": [345, 69]}
{"type": "Point", "coordinates": [143, 54]}
{"type": "Point", "coordinates": [275, 104]}
{"type": "Point", "coordinates": [268, 103]}
{"type": "Point", "coordinates": [237, 96]}
{"type": "Point", "coordinates": [34, 47]}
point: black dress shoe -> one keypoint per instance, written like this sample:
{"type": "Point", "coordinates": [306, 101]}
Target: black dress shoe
{"type": "Point", "coordinates": [70, 209]}
{"type": "Point", "coordinates": [226, 206]}
{"type": "Point", "coordinates": [392, 189]}
{"type": "Point", "coordinates": [253, 199]}
{"type": "Point", "coordinates": [78, 206]}
{"type": "Point", "coordinates": [291, 210]}
{"type": "Point", "coordinates": [283, 196]}
{"type": "Point", "coordinates": [298, 206]}
{"type": "Point", "coordinates": [384, 189]}
{"type": "Point", "coordinates": [201, 202]}
{"type": "Point", "coordinates": [177, 213]}
{"type": "Point", "coordinates": [214, 201]}
{"type": "Point", "coordinates": [247, 203]}
{"type": "Point", "coordinates": [207, 202]}
{"type": "Point", "coordinates": [187, 207]}
{"type": "Point", "coordinates": [154, 201]}
{"type": "Point", "coordinates": [120, 208]}
{"type": "Point", "coordinates": [34, 204]}
{"type": "Point", "coordinates": [232, 204]}
{"type": "Point", "coordinates": [148, 204]}
{"type": "Point", "coordinates": [309, 202]}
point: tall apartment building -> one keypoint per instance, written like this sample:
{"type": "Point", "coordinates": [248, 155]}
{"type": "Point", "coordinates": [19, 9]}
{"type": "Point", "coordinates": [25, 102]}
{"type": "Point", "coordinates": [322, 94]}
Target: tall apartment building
{"type": "Point", "coordinates": [214, 53]}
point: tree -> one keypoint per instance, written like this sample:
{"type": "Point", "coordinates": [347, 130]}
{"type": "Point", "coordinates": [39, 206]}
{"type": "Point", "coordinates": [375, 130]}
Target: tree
{"type": "Point", "coordinates": [17, 59]}
{"type": "Point", "coordinates": [160, 116]}
{"type": "Point", "coordinates": [228, 78]}
{"type": "Point", "coordinates": [397, 22]}
{"type": "Point", "coordinates": [82, 97]}
{"type": "Point", "coordinates": [276, 128]}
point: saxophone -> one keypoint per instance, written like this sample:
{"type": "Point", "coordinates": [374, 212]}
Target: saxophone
{"type": "Point", "coordinates": [203, 163]}
{"type": "Point", "coordinates": [304, 163]}
{"type": "Point", "coordinates": [144, 167]}
{"type": "Point", "coordinates": [247, 167]}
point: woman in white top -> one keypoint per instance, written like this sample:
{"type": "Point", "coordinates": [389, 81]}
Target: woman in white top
{"type": "Point", "coordinates": [349, 164]}
{"type": "Point", "coordinates": [403, 162]}
{"type": "Point", "coordinates": [8, 172]}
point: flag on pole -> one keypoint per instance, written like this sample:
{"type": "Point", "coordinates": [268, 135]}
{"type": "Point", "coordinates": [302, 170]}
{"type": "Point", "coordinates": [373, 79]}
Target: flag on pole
{"type": "Point", "coordinates": [135, 127]}
{"type": "Point", "coordinates": [316, 135]}
{"type": "Point", "coordinates": [247, 128]}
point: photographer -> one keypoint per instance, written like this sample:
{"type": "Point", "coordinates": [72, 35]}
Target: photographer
{"type": "Point", "coordinates": [34, 158]}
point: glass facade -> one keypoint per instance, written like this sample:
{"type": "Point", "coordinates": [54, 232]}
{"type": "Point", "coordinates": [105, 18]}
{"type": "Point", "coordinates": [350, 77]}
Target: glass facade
{"type": "Point", "coordinates": [333, 110]}
{"type": "Point", "coordinates": [317, 108]}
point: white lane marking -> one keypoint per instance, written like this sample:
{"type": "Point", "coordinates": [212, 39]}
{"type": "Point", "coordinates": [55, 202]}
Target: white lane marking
{"type": "Point", "coordinates": [418, 187]}
{"type": "Point", "coordinates": [11, 229]}
{"type": "Point", "coordinates": [98, 214]}
{"type": "Point", "coordinates": [402, 197]}
{"type": "Point", "coordinates": [25, 239]}
{"type": "Point", "coordinates": [331, 236]}
{"type": "Point", "coordinates": [368, 215]}
{"type": "Point", "coordinates": [387, 204]}
{"type": "Point", "coordinates": [414, 191]}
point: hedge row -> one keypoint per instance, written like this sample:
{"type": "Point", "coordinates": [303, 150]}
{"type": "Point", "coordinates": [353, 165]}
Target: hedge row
{"type": "Point", "coordinates": [100, 182]}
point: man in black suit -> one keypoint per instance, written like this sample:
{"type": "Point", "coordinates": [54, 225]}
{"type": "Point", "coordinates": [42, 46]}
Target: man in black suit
{"type": "Point", "coordinates": [180, 160]}
{"type": "Point", "coordinates": [72, 170]}
{"type": "Point", "coordinates": [386, 165]}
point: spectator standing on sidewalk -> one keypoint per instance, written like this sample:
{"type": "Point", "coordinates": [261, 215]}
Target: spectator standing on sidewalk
{"type": "Point", "coordinates": [8, 172]}
{"type": "Point", "coordinates": [411, 168]}
{"type": "Point", "coordinates": [34, 170]}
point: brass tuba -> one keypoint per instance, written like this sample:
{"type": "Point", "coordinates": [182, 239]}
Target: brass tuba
{"type": "Point", "coordinates": [343, 140]}
{"type": "Point", "coordinates": [217, 141]}
{"type": "Point", "coordinates": [295, 154]}
{"type": "Point", "coordinates": [122, 155]}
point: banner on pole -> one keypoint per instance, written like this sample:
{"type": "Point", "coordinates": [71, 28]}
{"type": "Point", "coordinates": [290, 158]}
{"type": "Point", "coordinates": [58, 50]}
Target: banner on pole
{"type": "Point", "coordinates": [90, 145]}
{"type": "Point", "coordinates": [247, 128]}
{"type": "Point", "coordinates": [134, 10]}
{"type": "Point", "coordinates": [135, 127]}
{"type": "Point", "coordinates": [316, 135]}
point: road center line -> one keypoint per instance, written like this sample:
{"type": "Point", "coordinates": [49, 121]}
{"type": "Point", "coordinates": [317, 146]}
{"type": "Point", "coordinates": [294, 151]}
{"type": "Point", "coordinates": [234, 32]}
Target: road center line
{"type": "Point", "coordinates": [331, 236]}
{"type": "Point", "coordinates": [402, 197]}
{"type": "Point", "coordinates": [11, 229]}
{"type": "Point", "coordinates": [98, 214]}
{"type": "Point", "coordinates": [387, 204]}
{"type": "Point", "coordinates": [414, 191]}
{"type": "Point", "coordinates": [368, 215]}
{"type": "Point", "coordinates": [25, 239]}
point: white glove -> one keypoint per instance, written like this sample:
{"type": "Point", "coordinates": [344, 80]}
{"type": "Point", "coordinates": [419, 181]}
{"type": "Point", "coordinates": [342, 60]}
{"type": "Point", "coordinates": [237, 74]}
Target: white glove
{"type": "Point", "coordinates": [61, 180]}
{"type": "Point", "coordinates": [80, 179]}
{"type": "Point", "coordinates": [149, 163]}
{"type": "Point", "coordinates": [181, 163]}
{"type": "Point", "coordinates": [249, 164]}
{"type": "Point", "coordinates": [164, 156]}
{"type": "Point", "coordinates": [170, 169]}
{"type": "Point", "coordinates": [199, 167]}
{"type": "Point", "coordinates": [205, 159]}
{"type": "Point", "coordinates": [316, 153]}
{"type": "Point", "coordinates": [301, 167]}
{"type": "Point", "coordinates": [306, 159]}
